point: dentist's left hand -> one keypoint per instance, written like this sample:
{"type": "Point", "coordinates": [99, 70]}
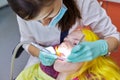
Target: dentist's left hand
{"type": "Point", "coordinates": [87, 51]}
{"type": "Point", "coordinates": [47, 58]}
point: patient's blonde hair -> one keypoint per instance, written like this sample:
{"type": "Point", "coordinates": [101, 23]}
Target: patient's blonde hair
{"type": "Point", "coordinates": [101, 68]}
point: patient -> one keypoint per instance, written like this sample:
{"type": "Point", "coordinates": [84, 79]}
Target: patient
{"type": "Point", "coordinates": [97, 69]}
{"type": "Point", "coordinates": [101, 68]}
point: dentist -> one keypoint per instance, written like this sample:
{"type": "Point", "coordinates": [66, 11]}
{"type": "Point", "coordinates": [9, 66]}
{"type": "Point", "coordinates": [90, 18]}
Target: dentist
{"type": "Point", "coordinates": [47, 22]}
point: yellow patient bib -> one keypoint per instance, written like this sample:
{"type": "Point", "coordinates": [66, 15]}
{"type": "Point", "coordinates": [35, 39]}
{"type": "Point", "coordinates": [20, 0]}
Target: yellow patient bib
{"type": "Point", "coordinates": [33, 73]}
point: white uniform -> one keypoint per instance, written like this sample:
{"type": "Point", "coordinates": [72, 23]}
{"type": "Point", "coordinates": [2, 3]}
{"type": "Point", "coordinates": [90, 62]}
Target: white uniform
{"type": "Point", "coordinates": [92, 15]}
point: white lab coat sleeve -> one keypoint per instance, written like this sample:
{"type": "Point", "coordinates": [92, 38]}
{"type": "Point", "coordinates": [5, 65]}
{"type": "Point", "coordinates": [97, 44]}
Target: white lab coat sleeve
{"type": "Point", "coordinates": [24, 33]}
{"type": "Point", "coordinates": [95, 16]}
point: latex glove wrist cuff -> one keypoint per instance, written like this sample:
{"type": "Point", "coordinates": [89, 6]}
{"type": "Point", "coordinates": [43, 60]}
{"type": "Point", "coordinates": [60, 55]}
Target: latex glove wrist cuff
{"type": "Point", "coordinates": [104, 47]}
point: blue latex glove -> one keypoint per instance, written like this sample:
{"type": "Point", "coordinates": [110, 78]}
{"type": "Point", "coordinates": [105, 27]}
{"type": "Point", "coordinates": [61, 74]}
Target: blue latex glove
{"type": "Point", "coordinates": [86, 51]}
{"type": "Point", "coordinates": [47, 58]}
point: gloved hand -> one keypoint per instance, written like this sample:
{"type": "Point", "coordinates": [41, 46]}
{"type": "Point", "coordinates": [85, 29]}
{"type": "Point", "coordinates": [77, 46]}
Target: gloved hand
{"type": "Point", "coordinates": [86, 51]}
{"type": "Point", "coordinates": [47, 58]}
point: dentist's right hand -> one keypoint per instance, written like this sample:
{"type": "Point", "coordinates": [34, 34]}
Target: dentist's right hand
{"type": "Point", "coordinates": [47, 58]}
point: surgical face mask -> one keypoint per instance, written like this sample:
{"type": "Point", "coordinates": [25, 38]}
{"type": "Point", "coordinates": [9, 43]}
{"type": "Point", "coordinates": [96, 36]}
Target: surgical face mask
{"type": "Point", "coordinates": [57, 18]}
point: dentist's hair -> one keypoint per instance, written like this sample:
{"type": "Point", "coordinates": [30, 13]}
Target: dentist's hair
{"type": "Point", "coordinates": [29, 9]}
{"type": "Point", "coordinates": [101, 68]}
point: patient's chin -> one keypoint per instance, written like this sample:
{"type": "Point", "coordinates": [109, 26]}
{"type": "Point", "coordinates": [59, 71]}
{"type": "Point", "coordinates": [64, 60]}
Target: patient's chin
{"type": "Point", "coordinates": [63, 66]}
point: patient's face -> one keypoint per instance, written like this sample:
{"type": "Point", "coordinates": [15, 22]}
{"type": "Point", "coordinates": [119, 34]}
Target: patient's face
{"type": "Point", "coordinates": [69, 42]}
{"type": "Point", "coordinates": [74, 37]}
{"type": "Point", "coordinates": [65, 48]}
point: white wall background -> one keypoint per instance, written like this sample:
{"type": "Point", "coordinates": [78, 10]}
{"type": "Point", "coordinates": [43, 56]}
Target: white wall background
{"type": "Point", "coordinates": [3, 3]}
